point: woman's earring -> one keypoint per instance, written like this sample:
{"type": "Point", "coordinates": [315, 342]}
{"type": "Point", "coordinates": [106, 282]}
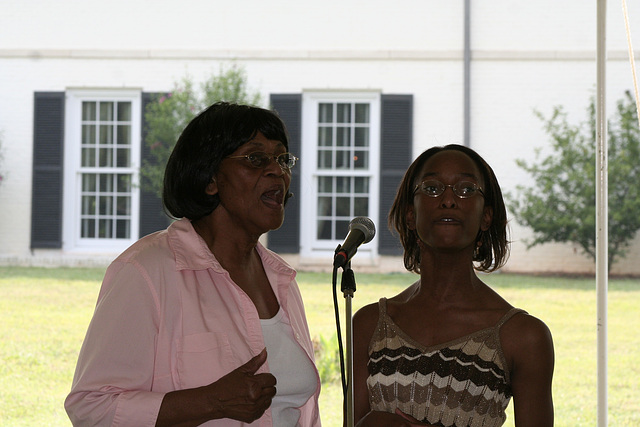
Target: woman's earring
{"type": "Point", "coordinates": [287, 197]}
{"type": "Point", "coordinates": [476, 252]}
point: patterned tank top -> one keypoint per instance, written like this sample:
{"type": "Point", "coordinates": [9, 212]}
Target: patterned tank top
{"type": "Point", "coordinates": [461, 383]}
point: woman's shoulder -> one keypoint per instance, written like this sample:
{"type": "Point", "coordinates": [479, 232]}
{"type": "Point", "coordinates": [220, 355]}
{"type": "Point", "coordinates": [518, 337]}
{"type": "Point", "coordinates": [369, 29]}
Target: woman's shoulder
{"type": "Point", "coordinates": [521, 323]}
{"type": "Point", "coordinates": [367, 314]}
{"type": "Point", "coordinates": [524, 335]}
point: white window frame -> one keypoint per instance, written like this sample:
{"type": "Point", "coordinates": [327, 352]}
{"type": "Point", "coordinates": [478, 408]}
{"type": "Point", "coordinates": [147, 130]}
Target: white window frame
{"type": "Point", "coordinates": [71, 228]}
{"type": "Point", "coordinates": [310, 246]}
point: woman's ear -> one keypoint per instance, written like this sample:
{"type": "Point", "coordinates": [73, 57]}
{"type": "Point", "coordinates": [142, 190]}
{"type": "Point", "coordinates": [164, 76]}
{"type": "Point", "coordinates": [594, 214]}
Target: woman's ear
{"type": "Point", "coordinates": [212, 187]}
{"type": "Point", "coordinates": [487, 218]}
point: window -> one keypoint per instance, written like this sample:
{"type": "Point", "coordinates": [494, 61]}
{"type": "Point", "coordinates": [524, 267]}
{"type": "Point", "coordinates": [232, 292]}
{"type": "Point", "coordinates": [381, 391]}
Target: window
{"type": "Point", "coordinates": [102, 146]}
{"type": "Point", "coordinates": [340, 152]}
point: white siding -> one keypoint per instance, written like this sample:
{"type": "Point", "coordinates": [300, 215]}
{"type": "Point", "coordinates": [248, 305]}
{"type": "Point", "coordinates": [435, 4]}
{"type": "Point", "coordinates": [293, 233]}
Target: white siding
{"type": "Point", "coordinates": [525, 55]}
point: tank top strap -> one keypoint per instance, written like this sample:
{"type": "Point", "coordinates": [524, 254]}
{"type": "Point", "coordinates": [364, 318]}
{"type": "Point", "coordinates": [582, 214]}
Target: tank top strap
{"type": "Point", "coordinates": [382, 306]}
{"type": "Point", "coordinates": [380, 332]}
{"type": "Point", "coordinates": [508, 315]}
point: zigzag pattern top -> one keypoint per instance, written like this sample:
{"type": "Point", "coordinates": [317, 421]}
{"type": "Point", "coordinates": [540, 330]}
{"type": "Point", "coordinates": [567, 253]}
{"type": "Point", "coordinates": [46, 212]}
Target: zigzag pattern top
{"type": "Point", "coordinates": [462, 383]}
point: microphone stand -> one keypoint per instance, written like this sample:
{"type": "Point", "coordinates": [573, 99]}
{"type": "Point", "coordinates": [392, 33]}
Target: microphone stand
{"type": "Point", "coordinates": [348, 287]}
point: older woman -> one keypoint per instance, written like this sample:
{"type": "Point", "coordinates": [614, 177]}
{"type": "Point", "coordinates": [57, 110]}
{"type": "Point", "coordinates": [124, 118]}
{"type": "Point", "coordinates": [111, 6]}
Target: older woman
{"type": "Point", "coordinates": [199, 323]}
{"type": "Point", "coordinates": [448, 350]}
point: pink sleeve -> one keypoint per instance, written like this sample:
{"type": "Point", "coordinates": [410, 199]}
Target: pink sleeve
{"type": "Point", "coordinates": [114, 374]}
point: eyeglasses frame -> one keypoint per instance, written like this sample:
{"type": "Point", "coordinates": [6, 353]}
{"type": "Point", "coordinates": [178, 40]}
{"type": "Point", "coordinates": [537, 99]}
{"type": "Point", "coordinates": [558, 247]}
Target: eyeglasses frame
{"type": "Point", "coordinates": [270, 156]}
{"type": "Point", "coordinates": [418, 187]}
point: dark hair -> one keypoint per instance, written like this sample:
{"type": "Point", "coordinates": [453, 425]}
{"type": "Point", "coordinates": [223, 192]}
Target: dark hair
{"type": "Point", "coordinates": [494, 245]}
{"type": "Point", "coordinates": [211, 136]}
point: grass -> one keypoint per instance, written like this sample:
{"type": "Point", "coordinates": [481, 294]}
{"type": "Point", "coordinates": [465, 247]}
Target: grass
{"type": "Point", "coordinates": [44, 314]}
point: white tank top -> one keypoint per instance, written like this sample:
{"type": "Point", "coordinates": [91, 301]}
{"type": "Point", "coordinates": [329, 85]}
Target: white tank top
{"type": "Point", "coordinates": [291, 366]}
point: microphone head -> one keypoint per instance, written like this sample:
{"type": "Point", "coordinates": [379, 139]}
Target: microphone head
{"type": "Point", "coordinates": [364, 224]}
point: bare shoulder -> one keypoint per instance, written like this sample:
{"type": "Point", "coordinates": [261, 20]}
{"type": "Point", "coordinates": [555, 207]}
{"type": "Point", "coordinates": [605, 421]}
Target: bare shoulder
{"type": "Point", "coordinates": [525, 337]}
{"type": "Point", "coordinates": [524, 327]}
{"type": "Point", "coordinates": [366, 318]}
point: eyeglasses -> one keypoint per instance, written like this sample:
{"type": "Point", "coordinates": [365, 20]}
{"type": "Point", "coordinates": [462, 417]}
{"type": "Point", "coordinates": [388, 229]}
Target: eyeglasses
{"type": "Point", "coordinates": [462, 189]}
{"type": "Point", "coordinates": [260, 159]}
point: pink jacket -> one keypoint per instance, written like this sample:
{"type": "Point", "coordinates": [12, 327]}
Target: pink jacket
{"type": "Point", "coordinates": [169, 317]}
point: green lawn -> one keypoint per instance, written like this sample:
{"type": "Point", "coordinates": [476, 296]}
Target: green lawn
{"type": "Point", "coordinates": [45, 312]}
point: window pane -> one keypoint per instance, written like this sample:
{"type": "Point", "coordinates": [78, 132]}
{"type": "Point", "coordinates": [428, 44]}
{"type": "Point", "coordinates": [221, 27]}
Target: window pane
{"type": "Point", "coordinates": [343, 136]}
{"type": "Point", "coordinates": [361, 185]}
{"type": "Point", "coordinates": [88, 135]}
{"type": "Point", "coordinates": [362, 113]}
{"type": "Point", "coordinates": [106, 134]}
{"type": "Point", "coordinates": [105, 228]}
{"type": "Point", "coordinates": [325, 113]}
{"type": "Point", "coordinates": [325, 137]}
{"type": "Point", "coordinates": [88, 205]}
{"type": "Point", "coordinates": [361, 137]}
{"type": "Point", "coordinates": [343, 160]}
{"type": "Point", "coordinates": [105, 206]}
{"type": "Point", "coordinates": [325, 206]}
{"type": "Point", "coordinates": [88, 228]}
{"type": "Point", "coordinates": [343, 113]}
{"type": "Point", "coordinates": [88, 182]}
{"type": "Point", "coordinates": [324, 230]}
{"type": "Point", "coordinates": [342, 228]}
{"type": "Point", "coordinates": [325, 184]}
{"type": "Point", "coordinates": [106, 184]}
{"type": "Point", "coordinates": [123, 205]}
{"type": "Point", "coordinates": [105, 157]}
{"type": "Point", "coordinates": [324, 159]}
{"type": "Point", "coordinates": [361, 160]}
{"type": "Point", "coordinates": [123, 158]}
{"type": "Point", "coordinates": [361, 206]}
{"type": "Point", "coordinates": [343, 184]}
{"type": "Point", "coordinates": [88, 157]}
{"type": "Point", "coordinates": [105, 199]}
{"type": "Point", "coordinates": [106, 111]}
{"type": "Point", "coordinates": [122, 229]}
{"type": "Point", "coordinates": [88, 111]}
{"type": "Point", "coordinates": [343, 206]}
{"type": "Point", "coordinates": [124, 134]}
{"type": "Point", "coordinates": [124, 111]}
{"type": "Point", "coordinates": [342, 126]}
{"type": "Point", "coordinates": [124, 183]}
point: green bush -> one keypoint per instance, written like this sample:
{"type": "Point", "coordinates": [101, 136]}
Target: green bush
{"type": "Point", "coordinates": [559, 204]}
{"type": "Point", "coordinates": [167, 115]}
{"type": "Point", "coordinates": [327, 358]}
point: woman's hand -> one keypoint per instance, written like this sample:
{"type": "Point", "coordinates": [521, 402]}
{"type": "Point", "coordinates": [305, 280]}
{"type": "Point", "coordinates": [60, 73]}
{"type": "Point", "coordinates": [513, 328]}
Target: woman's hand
{"type": "Point", "coordinates": [412, 421]}
{"type": "Point", "coordinates": [241, 394]}
{"type": "Point", "coordinates": [387, 419]}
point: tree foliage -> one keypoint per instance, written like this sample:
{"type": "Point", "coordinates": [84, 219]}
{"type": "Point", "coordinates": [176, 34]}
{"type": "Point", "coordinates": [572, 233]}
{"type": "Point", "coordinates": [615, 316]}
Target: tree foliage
{"type": "Point", "coordinates": [560, 205]}
{"type": "Point", "coordinates": [167, 115]}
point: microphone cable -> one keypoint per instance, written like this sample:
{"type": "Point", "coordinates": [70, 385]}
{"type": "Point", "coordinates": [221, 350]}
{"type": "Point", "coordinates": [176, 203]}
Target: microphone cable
{"type": "Point", "coordinates": [339, 336]}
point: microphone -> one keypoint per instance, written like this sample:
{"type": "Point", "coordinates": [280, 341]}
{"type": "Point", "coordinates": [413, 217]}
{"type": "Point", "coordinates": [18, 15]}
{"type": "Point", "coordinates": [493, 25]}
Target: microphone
{"type": "Point", "coordinates": [361, 230]}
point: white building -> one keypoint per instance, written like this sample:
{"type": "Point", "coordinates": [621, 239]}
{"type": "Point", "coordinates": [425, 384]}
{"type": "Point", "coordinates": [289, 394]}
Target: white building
{"type": "Point", "coordinates": [420, 72]}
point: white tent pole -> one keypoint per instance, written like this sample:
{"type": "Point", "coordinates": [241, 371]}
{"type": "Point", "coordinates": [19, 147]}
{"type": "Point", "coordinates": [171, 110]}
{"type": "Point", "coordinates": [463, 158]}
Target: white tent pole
{"type": "Point", "coordinates": [601, 212]}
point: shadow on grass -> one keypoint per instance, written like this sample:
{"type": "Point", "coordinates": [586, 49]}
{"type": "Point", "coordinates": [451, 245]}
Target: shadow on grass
{"type": "Point", "coordinates": [498, 280]}
{"type": "Point", "coordinates": [59, 273]}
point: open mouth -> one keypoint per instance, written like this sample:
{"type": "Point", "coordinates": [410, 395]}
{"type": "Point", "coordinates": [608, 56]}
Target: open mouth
{"type": "Point", "coordinates": [273, 197]}
{"type": "Point", "coordinates": [447, 221]}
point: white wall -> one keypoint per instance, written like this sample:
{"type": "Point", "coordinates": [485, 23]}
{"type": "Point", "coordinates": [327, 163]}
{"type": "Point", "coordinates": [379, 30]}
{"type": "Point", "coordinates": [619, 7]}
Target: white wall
{"type": "Point", "coordinates": [526, 55]}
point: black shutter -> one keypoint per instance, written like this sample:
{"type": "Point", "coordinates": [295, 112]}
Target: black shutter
{"type": "Point", "coordinates": [48, 161]}
{"type": "Point", "coordinates": [286, 239]}
{"type": "Point", "coordinates": [152, 216]}
{"type": "Point", "coordinates": [395, 157]}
